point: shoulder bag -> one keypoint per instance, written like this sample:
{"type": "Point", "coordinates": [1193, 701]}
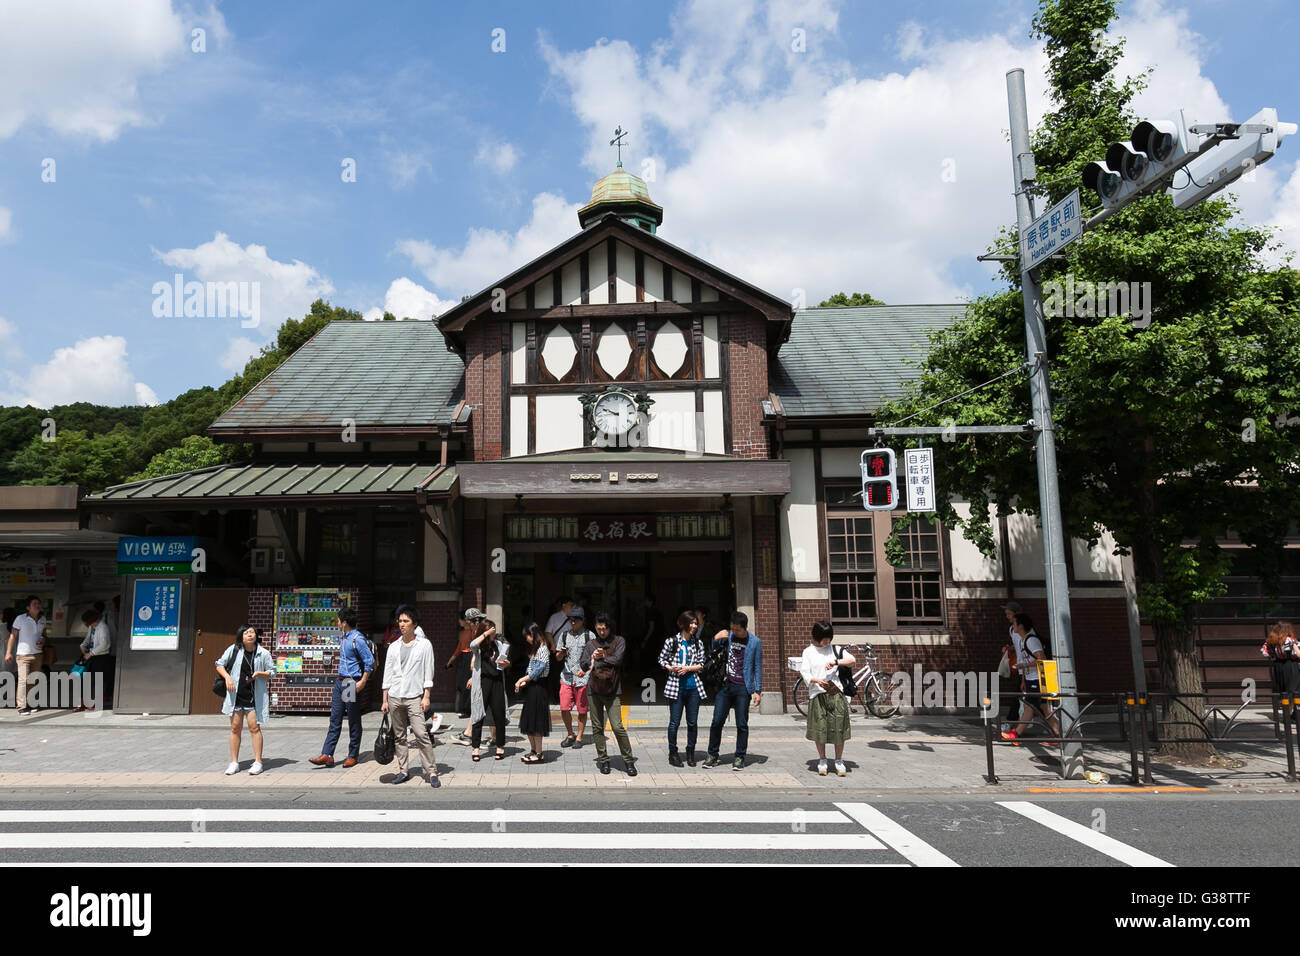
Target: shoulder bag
{"type": "Point", "coordinates": [219, 682]}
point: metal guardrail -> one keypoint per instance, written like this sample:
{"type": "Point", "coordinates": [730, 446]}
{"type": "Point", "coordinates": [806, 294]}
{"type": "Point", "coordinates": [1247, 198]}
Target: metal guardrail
{"type": "Point", "coordinates": [1215, 723]}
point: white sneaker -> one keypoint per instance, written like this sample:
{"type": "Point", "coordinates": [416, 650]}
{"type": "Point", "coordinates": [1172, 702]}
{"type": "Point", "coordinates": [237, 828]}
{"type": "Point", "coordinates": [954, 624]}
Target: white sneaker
{"type": "Point", "coordinates": [840, 769]}
{"type": "Point", "coordinates": [821, 768]}
{"type": "Point", "coordinates": [232, 769]}
{"type": "Point", "coordinates": [256, 768]}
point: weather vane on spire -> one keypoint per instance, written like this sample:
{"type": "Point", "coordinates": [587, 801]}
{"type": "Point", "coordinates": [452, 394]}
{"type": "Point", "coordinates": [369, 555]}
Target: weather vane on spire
{"type": "Point", "coordinates": [619, 133]}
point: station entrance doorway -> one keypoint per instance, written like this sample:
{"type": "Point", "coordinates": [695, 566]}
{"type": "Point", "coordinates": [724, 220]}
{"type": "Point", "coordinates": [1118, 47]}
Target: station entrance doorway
{"type": "Point", "coordinates": [618, 583]}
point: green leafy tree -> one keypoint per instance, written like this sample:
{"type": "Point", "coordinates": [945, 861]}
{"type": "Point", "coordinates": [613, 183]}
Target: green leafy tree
{"type": "Point", "coordinates": [1166, 422]}
{"type": "Point", "coordinates": [840, 300]}
{"type": "Point", "coordinates": [195, 451]}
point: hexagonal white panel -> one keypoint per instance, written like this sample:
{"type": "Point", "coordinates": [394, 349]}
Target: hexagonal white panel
{"type": "Point", "coordinates": [670, 348]}
{"type": "Point", "coordinates": [558, 352]}
{"type": "Point", "coordinates": [613, 350]}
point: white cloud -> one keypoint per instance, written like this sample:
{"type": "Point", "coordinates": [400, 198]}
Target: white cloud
{"type": "Point", "coordinates": [405, 167]}
{"type": "Point", "coordinates": [6, 224]}
{"type": "Point", "coordinates": [238, 353]}
{"type": "Point", "coordinates": [285, 289]}
{"type": "Point", "coordinates": [76, 66]}
{"type": "Point", "coordinates": [790, 173]}
{"type": "Point", "coordinates": [498, 157]}
{"type": "Point", "coordinates": [93, 370]}
{"type": "Point", "coordinates": [488, 254]}
{"type": "Point", "coordinates": [144, 395]}
{"type": "Point", "coordinates": [786, 168]}
{"type": "Point", "coordinates": [409, 300]}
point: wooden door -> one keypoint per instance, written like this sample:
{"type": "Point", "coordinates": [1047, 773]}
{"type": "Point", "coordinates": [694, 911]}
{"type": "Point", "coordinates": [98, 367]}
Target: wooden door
{"type": "Point", "coordinates": [217, 612]}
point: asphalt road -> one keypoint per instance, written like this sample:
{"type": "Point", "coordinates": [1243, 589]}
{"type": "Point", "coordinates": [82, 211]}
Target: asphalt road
{"type": "Point", "coordinates": [416, 825]}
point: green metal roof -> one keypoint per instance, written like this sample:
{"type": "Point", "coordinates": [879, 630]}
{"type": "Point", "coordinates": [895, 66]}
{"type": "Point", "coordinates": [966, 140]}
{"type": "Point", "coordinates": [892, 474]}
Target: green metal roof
{"type": "Point", "coordinates": [619, 186]}
{"type": "Point", "coordinates": [394, 374]}
{"type": "Point", "coordinates": [256, 483]}
{"type": "Point", "coordinates": [845, 361]}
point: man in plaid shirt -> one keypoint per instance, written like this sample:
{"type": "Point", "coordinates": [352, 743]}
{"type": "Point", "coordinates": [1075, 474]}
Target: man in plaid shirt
{"type": "Point", "coordinates": [683, 657]}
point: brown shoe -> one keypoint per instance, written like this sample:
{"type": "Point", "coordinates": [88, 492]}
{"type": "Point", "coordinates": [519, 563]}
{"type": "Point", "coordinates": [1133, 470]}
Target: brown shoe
{"type": "Point", "coordinates": [350, 762]}
{"type": "Point", "coordinates": [322, 761]}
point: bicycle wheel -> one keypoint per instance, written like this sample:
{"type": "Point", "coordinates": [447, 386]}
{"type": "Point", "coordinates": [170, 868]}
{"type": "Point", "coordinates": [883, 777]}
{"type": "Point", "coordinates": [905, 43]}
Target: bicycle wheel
{"type": "Point", "coordinates": [877, 695]}
{"type": "Point", "coordinates": [801, 697]}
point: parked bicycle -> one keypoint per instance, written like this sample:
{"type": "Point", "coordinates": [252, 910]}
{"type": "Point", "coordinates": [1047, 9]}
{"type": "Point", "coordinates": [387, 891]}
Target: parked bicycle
{"type": "Point", "coordinates": [875, 690]}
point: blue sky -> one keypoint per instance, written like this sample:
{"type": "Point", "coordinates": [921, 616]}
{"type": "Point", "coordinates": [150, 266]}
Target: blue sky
{"type": "Point", "coordinates": [805, 171]}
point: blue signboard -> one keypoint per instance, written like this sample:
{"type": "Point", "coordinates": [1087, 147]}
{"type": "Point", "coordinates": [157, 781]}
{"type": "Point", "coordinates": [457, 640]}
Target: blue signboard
{"type": "Point", "coordinates": [156, 614]}
{"type": "Point", "coordinates": [1052, 231]}
{"type": "Point", "coordinates": [155, 550]}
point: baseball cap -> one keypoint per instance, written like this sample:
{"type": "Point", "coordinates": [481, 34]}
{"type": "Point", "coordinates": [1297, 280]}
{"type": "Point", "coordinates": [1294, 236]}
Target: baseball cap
{"type": "Point", "coordinates": [474, 614]}
{"type": "Point", "coordinates": [1013, 606]}
{"type": "Point", "coordinates": [578, 612]}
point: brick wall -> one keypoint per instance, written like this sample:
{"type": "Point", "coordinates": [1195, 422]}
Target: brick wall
{"type": "Point", "coordinates": [483, 388]}
{"type": "Point", "coordinates": [747, 386]}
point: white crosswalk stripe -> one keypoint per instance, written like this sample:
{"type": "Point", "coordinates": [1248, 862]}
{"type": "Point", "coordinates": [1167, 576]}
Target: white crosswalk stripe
{"type": "Point", "coordinates": [1085, 835]}
{"type": "Point", "coordinates": [803, 834]}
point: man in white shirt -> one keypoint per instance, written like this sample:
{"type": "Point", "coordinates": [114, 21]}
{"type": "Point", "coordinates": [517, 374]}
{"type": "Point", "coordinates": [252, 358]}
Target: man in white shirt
{"type": "Point", "coordinates": [559, 620]}
{"type": "Point", "coordinates": [408, 678]}
{"type": "Point", "coordinates": [26, 645]}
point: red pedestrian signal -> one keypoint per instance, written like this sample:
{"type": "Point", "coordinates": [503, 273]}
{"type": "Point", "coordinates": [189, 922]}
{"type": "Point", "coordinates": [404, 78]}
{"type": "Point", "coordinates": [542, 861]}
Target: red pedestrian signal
{"type": "Point", "coordinates": [879, 484]}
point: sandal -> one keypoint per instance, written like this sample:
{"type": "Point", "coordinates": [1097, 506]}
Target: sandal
{"type": "Point", "coordinates": [476, 756]}
{"type": "Point", "coordinates": [500, 755]}
{"type": "Point", "coordinates": [530, 757]}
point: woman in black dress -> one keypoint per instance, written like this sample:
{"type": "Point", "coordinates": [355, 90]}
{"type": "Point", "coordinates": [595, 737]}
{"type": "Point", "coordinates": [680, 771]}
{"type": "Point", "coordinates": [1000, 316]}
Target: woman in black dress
{"type": "Point", "coordinates": [535, 721]}
{"type": "Point", "coordinates": [1284, 653]}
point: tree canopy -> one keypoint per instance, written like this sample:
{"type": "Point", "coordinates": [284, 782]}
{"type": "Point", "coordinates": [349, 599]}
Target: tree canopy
{"type": "Point", "coordinates": [840, 300]}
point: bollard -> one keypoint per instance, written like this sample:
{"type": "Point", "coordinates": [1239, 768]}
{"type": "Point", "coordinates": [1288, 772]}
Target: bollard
{"type": "Point", "coordinates": [1288, 712]}
{"type": "Point", "coordinates": [1142, 733]}
{"type": "Point", "coordinates": [1130, 711]}
{"type": "Point", "coordinates": [989, 777]}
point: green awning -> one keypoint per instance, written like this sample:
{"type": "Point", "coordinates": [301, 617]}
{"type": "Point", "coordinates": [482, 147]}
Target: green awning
{"type": "Point", "coordinates": [270, 484]}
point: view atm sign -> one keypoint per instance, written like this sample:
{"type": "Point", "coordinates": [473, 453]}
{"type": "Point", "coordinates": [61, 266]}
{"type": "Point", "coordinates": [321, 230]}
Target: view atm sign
{"type": "Point", "coordinates": [170, 555]}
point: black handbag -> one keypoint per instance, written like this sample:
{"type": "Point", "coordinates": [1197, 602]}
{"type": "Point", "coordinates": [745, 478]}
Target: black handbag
{"type": "Point", "coordinates": [846, 675]}
{"type": "Point", "coordinates": [385, 742]}
{"type": "Point", "coordinates": [219, 682]}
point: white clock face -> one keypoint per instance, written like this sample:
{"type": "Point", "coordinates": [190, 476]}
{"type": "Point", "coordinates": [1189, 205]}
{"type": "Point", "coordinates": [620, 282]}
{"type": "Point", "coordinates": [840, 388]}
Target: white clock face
{"type": "Point", "coordinates": [614, 414]}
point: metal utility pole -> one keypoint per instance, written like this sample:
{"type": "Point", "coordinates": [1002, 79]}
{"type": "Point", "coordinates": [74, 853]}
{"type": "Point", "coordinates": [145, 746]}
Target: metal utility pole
{"type": "Point", "coordinates": [1054, 539]}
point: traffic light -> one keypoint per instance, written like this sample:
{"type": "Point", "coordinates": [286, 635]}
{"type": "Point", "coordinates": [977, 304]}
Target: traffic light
{"type": "Point", "coordinates": [1248, 144]}
{"type": "Point", "coordinates": [879, 481]}
{"type": "Point", "coordinates": [1156, 150]}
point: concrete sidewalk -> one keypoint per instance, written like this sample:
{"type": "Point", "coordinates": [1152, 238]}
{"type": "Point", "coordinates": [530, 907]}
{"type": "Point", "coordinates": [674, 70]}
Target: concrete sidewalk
{"type": "Point", "coordinates": [65, 750]}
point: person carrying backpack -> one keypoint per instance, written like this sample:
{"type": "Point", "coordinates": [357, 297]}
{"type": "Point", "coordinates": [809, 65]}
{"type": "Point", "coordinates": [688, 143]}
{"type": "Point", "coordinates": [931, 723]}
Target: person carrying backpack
{"type": "Point", "coordinates": [828, 707]}
{"type": "Point", "coordinates": [1029, 647]}
{"type": "Point", "coordinates": [356, 663]}
{"type": "Point", "coordinates": [683, 658]}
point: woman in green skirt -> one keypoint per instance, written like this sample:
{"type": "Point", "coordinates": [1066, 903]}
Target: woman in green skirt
{"type": "Point", "coordinates": [828, 708]}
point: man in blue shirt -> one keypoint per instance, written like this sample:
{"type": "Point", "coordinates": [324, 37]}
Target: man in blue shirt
{"type": "Point", "coordinates": [741, 688]}
{"type": "Point", "coordinates": [355, 664]}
